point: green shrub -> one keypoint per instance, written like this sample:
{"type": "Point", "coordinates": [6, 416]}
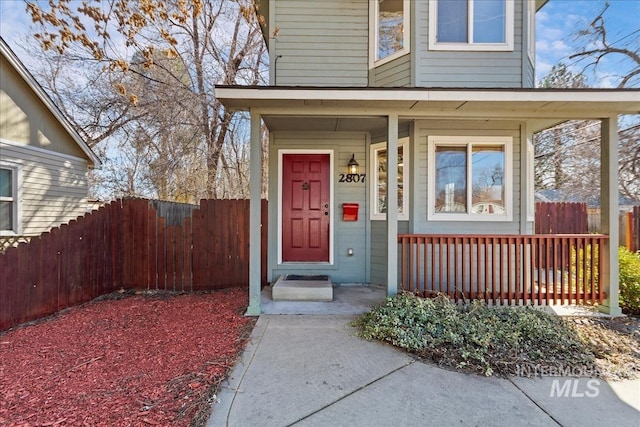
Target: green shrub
{"type": "Point", "coordinates": [476, 337]}
{"type": "Point", "coordinates": [629, 280]}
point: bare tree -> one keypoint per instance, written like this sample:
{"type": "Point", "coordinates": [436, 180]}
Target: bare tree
{"type": "Point", "coordinates": [565, 153]}
{"type": "Point", "coordinates": [629, 166]}
{"type": "Point", "coordinates": [626, 47]}
{"type": "Point", "coordinates": [156, 63]}
{"type": "Point", "coordinates": [568, 156]}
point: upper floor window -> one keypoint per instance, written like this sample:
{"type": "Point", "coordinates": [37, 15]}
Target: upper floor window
{"type": "Point", "coordinates": [379, 180]}
{"type": "Point", "coordinates": [471, 24]}
{"type": "Point", "coordinates": [390, 30]}
{"type": "Point", "coordinates": [8, 200]}
{"type": "Point", "coordinates": [470, 178]}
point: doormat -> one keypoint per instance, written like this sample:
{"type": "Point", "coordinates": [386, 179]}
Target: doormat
{"type": "Point", "coordinates": [305, 278]}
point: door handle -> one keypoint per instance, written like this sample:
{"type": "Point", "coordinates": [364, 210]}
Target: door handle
{"type": "Point", "coordinates": [326, 213]}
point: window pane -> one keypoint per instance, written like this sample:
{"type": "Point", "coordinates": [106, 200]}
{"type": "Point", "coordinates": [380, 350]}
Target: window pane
{"type": "Point", "coordinates": [6, 215]}
{"type": "Point", "coordinates": [381, 181]}
{"type": "Point", "coordinates": [390, 27]}
{"type": "Point", "coordinates": [6, 183]}
{"type": "Point", "coordinates": [487, 170]}
{"type": "Point", "coordinates": [489, 21]}
{"type": "Point", "coordinates": [451, 179]}
{"type": "Point", "coordinates": [452, 21]}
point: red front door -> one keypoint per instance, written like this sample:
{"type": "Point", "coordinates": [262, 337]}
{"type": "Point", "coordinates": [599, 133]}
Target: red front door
{"type": "Point", "coordinates": [305, 207]}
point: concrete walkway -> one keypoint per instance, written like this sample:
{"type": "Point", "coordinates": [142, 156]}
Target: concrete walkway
{"type": "Point", "coordinates": [311, 370]}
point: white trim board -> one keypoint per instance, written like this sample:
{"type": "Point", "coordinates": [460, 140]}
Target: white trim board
{"type": "Point", "coordinates": [41, 150]}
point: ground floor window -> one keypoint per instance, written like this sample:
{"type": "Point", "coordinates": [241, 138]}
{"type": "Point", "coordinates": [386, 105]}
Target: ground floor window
{"type": "Point", "coordinates": [8, 200]}
{"type": "Point", "coordinates": [379, 181]}
{"type": "Point", "coordinates": [470, 178]}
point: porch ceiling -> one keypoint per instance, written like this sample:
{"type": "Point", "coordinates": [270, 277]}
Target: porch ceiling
{"type": "Point", "coordinates": [340, 108]}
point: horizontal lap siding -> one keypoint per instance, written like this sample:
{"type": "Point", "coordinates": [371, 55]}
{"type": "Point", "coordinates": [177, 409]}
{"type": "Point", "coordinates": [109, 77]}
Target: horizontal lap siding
{"type": "Point", "coordinates": [529, 73]}
{"type": "Point", "coordinates": [427, 128]}
{"type": "Point", "coordinates": [346, 269]}
{"type": "Point", "coordinates": [54, 188]}
{"type": "Point", "coordinates": [396, 73]}
{"type": "Point", "coordinates": [321, 43]}
{"type": "Point", "coordinates": [378, 252]}
{"type": "Point", "coordinates": [463, 68]}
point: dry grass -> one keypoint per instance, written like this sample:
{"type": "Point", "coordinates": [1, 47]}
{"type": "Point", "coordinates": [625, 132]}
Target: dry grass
{"type": "Point", "coordinates": [615, 343]}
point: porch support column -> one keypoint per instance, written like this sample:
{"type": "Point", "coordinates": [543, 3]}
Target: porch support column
{"type": "Point", "coordinates": [255, 214]}
{"type": "Point", "coordinates": [392, 205]}
{"type": "Point", "coordinates": [609, 275]}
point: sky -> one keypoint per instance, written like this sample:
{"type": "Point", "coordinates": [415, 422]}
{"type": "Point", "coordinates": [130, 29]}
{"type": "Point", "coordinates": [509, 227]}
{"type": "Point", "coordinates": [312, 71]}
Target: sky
{"type": "Point", "coordinates": [556, 26]}
{"type": "Point", "coordinates": [558, 22]}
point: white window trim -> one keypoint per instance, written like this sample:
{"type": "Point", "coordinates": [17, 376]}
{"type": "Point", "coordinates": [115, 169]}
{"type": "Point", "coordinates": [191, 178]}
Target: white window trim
{"type": "Point", "coordinates": [506, 141]}
{"type": "Point", "coordinates": [16, 199]}
{"type": "Point", "coordinates": [373, 34]}
{"type": "Point", "coordinates": [531, 31]}
{"type": "Point", "coordinates": [332, 219]}
{"type": "Point", "coordinates": [509, 25]}
{"type": "Point", "coordinates": [373, 173]}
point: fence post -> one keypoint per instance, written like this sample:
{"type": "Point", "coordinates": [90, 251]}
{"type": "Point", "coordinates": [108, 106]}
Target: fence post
{"type": "Point", "coordinates": [628, 232]}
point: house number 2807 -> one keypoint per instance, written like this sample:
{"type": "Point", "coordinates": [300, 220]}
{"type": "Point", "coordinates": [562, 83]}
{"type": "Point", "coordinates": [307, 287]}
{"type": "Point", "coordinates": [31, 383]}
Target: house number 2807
{"type": "Point", "coordinates": [352, 177]}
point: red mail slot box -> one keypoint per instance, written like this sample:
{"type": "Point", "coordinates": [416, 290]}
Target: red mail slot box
{"type": "Point", "coordinates": [350, 211]}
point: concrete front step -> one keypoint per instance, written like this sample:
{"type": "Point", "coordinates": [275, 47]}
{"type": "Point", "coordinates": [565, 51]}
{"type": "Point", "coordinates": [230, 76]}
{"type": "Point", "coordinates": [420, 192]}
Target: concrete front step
{"type": "Point", "coordinates": [302, 290]}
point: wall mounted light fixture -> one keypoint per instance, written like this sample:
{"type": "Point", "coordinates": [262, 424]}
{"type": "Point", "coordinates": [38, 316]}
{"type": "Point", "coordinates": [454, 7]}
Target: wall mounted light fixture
{"type": "Point", "coordinates": [353, 165]}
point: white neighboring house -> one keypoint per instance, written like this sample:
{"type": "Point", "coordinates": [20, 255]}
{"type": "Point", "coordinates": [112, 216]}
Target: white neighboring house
{"type": "Point", "coordinates": [43, 160]}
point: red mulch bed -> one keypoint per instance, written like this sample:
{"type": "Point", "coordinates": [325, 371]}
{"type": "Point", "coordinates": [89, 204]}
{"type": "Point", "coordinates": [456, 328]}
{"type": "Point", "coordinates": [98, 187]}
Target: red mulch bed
{"type": "Point", "coordinates": [123, 360]}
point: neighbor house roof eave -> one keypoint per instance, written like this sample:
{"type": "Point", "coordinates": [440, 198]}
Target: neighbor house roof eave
{"type": "Point", "coordinates": [12, 59]}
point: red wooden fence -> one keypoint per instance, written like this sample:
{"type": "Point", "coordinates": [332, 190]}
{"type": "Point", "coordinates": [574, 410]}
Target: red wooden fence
{"type": "Point", "coordinates": [561, 218]}
{"type": "Point", "coordinates": [125, 244]}
{"type": "Point", "coordinates": [632, 233]}
{"type": "Point", "coordinates": [516, 269]}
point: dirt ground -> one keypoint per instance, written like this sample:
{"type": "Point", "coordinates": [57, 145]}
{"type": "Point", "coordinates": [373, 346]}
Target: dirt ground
{"type": "Point", "coordinates": [141, 360]}
{"type": "Point", "coordinates": [616, 343]}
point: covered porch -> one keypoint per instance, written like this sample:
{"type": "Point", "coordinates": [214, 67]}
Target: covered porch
{"type": "Point", "coordinates": [513, 267]}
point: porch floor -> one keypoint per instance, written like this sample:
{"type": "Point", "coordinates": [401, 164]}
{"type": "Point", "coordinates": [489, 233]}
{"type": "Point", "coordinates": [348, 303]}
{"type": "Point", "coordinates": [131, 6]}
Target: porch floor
{"type": "Point", "coordinates": [346, 300]}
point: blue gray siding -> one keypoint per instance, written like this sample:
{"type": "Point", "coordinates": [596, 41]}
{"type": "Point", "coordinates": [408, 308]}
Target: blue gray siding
{"type": "Point", "coordinates": [466, 69]}
{"type": "Point", "coordinates": [346, 269]}
{"type": "Point", "coordinates": [425, 128]}
{"type": "Point", "coordinates": [378, 251]}
{"type": "Point", "coordinates": [320, 43]}
{"type": "Point", "coordinates": [529, 73]}
{"type": "Point", "coordinates": [326, 43]}
{"type": "Point", "coordinates": [396, 73]}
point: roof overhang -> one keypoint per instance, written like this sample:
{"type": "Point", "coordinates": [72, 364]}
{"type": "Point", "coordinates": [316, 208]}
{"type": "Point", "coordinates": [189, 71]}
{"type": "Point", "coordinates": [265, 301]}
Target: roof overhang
{"type": "Point", "coordinates": [540, 107]}
{"type": "Point", "coordinates": [540, 3]}
{"type": "Point", "coordinates": [12, 59]}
